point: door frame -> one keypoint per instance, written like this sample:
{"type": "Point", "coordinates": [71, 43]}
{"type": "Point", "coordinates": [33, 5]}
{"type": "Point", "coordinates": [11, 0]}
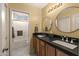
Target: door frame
{"type": "Point", "coordinates": [4, 23]}
{"type": "Point", "coordinates": [10, 28]}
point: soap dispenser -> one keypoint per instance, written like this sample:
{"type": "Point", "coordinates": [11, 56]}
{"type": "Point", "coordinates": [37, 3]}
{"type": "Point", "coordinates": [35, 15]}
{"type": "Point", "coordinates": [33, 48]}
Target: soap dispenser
{"type": "Point", "coordinates": [36, 28]}
{"type": "Point", "coordinates": [46, 28]}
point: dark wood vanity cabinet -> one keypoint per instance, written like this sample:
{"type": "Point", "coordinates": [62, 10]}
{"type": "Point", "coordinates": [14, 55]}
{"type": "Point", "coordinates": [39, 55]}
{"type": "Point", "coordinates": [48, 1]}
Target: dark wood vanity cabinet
{"type": "Point", "coordinates": [44, 49]}
{"type": "Point", "coordinates": [50, 50]}
{"type": "Point", "coordinates": [60, 53]}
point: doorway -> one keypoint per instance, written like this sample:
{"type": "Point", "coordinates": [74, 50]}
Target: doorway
{"type": "Point", "coordinates": [19, 43]}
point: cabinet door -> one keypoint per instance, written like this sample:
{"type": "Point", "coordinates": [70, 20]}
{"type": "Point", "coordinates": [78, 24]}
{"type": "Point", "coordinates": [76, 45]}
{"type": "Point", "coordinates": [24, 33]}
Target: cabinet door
{"type": "Point", "coordinates": [34, 42]}
{"type": "Point", "coordinates": [35, 45]}
{"type": "Point", "coordinates": [42, 51]}
{"type": "Point", "coordinates": [50, 50]}
{"type": "Point", "coordinates": [42, 48]}
{"type": "Point", "coordinates": [60, 53]}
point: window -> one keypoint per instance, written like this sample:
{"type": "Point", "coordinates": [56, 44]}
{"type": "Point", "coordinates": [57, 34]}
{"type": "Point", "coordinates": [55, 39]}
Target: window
{"type": "Point", "coordinates": [19, 16]}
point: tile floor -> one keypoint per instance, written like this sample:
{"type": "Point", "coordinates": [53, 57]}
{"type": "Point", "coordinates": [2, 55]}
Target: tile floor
{"type": "Point", "coordinates": [22, 50]}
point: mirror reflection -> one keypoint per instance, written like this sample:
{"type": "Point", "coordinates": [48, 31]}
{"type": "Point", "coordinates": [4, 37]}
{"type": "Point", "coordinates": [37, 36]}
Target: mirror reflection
{"type": "Point", "coordinates": [68, 20]}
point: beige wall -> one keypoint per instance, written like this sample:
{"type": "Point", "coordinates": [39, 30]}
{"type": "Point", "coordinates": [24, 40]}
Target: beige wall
{"type": "Point", "coordinates": [53, 14]}
{"type": "Point", "coordinates": [35, 15]}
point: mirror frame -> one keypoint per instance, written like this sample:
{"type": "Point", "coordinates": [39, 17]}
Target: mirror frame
{"type": "Point", "coordinates": [57, 17]}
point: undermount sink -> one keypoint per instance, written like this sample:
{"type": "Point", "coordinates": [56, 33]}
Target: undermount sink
{"type": "Point", "coordinates": [68, 45]}
{"type": "Point", "coordinates": [41, 35]}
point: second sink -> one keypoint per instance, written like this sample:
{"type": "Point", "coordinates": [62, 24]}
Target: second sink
{"type": "Point", "coordinates": [68, 45]}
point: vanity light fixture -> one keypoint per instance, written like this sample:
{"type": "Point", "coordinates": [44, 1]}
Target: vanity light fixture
{"type": "Point", "coordinates": [54, 7]}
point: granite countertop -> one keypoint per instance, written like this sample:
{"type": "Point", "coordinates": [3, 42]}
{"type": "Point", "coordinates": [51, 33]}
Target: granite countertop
{"type": "Point", "coordinates": [72, 52]}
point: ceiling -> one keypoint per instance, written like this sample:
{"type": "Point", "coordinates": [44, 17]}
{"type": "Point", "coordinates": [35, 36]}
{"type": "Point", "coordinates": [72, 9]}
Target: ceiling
{"type": "Point", "coordinates": [39, 5]}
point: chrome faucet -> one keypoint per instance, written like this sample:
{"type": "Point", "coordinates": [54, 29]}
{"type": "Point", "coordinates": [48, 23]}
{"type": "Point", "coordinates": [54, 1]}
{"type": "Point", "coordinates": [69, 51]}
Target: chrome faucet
{"type": "Point", "coordinates": [67, 39]}
{"type": "Point", "coordinates": [62, 38]}
{"type": "Point", "coordinates": [72, 40]}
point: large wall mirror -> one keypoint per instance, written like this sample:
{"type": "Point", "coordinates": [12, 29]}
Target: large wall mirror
{"type": "Point", "coordinates": [68, 20]}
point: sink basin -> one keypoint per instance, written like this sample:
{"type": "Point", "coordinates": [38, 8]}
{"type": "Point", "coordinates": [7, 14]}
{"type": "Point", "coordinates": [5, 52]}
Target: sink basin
{"type": "Point", "coordinates": [41, 35]}
{"type": "Point", "coordinates": [68, 45]}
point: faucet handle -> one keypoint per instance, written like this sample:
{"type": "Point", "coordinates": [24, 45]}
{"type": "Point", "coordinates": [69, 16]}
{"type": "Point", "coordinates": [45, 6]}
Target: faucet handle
{"type": "Point", "coordinates": [62, 38]}
{"type": "Point", "coordinates": [72, 40]}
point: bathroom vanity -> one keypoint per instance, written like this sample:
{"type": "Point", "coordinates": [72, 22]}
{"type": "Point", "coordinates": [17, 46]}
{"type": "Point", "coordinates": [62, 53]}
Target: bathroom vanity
{"type": "Point", "coordinates": [66, 43]}
{"type": "Point", "coordinates": [45, 44]}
